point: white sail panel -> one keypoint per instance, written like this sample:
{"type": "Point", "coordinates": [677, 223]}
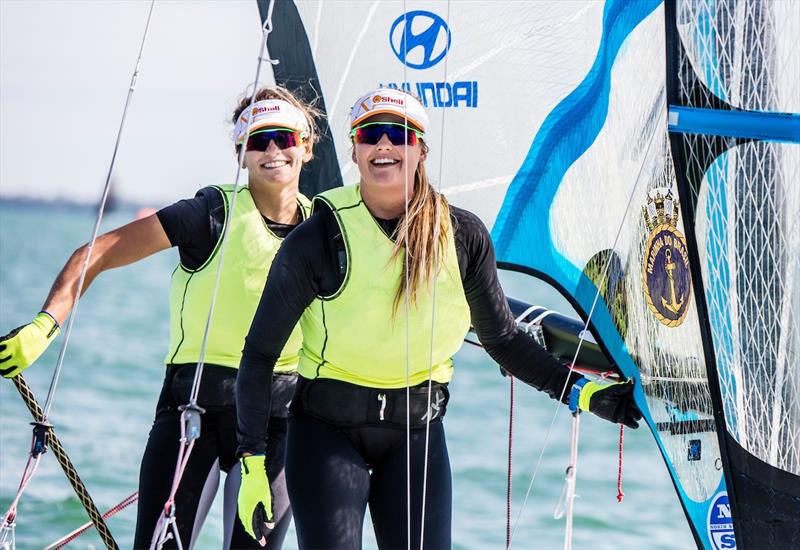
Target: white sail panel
{"type": "Point", "coordinates": [750, 239]}
{"type": "Point", "coordinates": [745, 51]}
{"type": "Point", "coordinates": [606, 189]}
{"type": "Point", "coordinates": [516, 63]}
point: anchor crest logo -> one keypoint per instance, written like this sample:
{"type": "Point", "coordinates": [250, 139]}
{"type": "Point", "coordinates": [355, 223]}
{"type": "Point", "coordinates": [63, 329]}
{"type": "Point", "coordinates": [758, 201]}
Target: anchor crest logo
{"type": "Point", "coordinates": [665, 261]}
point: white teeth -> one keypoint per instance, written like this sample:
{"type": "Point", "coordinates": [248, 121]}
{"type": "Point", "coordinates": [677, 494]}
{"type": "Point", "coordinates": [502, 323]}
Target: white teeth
{"type": "Point", "coordinates": [275, 163]}
{"type": "Point", "coordinates": [383, 161]}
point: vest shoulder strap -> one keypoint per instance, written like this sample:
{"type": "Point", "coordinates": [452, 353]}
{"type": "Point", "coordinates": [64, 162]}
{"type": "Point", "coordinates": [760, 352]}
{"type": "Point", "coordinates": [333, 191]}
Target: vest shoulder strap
{"type": "Point", "coordinates": [306, 205]}
{"type": "Point", "coordinates": [340, 197]}
{"type": "Point", "coordinates": [217, 209]}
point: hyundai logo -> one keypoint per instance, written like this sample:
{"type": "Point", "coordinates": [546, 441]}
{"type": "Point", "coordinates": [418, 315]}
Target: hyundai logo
{"type": "Point", "coordinates": [419, 39]}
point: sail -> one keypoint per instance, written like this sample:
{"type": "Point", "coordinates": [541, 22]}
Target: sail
{"type": "Point", "coordinates": [594, 207]}
{"type": "Point", "coordinates": [733, 86]}
{"type": "Point", "coordinates": [550, 120]}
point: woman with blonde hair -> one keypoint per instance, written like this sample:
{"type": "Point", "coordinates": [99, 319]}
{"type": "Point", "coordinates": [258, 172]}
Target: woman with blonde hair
{"type": "Point", "coordinates": [277, 132]}
{"type": "Point", "coordinates": [363, 275]}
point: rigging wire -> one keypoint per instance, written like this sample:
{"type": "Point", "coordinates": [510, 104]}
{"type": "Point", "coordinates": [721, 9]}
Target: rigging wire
{"type": "Point", "coordinates": [436, 229]}
{"type": "Point", "coordinates": [406, 297]}
{"type": "Point", "coordinates": [42, 429]}
{"type": "Point", "coordinates": [106, 189]}
{"type": "Point", "coordinates": [166, 527]}
{"type": "Point", "coordinates": [581, 338]}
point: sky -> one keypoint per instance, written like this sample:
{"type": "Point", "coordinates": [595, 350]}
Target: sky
{"type": "Point", "coordinates": [65, 70]}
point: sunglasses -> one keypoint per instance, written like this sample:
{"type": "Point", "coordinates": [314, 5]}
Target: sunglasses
{"type": "Point", "coordinates": [372, 132]}
{"type": "Point", "coordinates": [283, 138]}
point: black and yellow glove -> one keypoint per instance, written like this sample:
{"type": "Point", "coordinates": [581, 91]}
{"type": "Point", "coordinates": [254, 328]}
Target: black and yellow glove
{"type": "Point", "coordinates": [23, 345]}
{"type": "Point", "coordinates": [613, 402]}
{"type": "Point", "coordinates": [255, 498]}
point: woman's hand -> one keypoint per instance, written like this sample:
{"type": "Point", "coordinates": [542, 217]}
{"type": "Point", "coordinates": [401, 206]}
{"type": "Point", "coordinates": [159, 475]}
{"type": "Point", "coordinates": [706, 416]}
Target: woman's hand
{"type": "Point", "coordinates": [255, 498]}
{"type": "Point", "coordinates": [612, 402]}
{"type": "Point", "coordinates": [23, 345]}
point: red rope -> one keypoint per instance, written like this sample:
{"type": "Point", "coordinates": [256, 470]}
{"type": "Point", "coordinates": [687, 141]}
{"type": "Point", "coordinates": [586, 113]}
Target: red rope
{"type": "Point", "coordinates": [620, 494]}
{"type": "Point", "coordinates": [509, 479]}
{"type": "Point", "coordinates": [60, 543]}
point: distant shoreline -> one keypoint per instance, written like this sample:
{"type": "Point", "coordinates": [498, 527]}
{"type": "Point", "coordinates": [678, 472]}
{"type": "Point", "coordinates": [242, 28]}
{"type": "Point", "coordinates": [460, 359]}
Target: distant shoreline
{"type": "Point", "coordinates": [66, 204]}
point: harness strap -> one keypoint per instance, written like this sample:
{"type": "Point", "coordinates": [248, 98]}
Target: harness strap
{"type": "Point", "coordinates": [351, 406]}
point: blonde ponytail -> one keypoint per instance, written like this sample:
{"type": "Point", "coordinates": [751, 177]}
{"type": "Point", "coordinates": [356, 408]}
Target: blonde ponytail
{"type": "Point", "coordinates": [426, 224]}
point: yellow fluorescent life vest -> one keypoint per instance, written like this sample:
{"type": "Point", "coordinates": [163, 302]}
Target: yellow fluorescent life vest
{"type": "Point", "coordinates": [351, 336]}
{"type": "Point", "coordinates": [248, 255]}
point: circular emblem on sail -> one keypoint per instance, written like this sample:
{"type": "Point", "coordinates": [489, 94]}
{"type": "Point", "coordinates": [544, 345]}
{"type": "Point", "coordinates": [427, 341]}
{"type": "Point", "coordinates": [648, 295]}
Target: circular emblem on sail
{"type": "Point", "coordinates": [720, 523]}
{"type": "Point", "coordinates": [666, 277]}
{"type": "Point", "coordinates": [419, 39]}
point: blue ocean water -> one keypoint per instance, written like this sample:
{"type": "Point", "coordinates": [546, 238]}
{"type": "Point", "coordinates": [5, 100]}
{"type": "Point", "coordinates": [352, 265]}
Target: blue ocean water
{"type": "Point", "coordinates": [113, 372]}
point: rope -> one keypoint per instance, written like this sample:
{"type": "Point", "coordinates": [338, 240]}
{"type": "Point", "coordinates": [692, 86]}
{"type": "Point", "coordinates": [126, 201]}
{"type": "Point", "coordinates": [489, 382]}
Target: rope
{"type": "Point", "coordinates": [509, 484]}
{"type": "Point", "coordinates": [167, 519]}
{"type": "Point", "coordinates": [66, 464]}
{"type": "Point", "coordinates": [66, 539]}
{"type": "Point", "coordinates": [620, 493]}
{"type": "Point", "coordinates": [566, 503]}
{"type": "Point", "coordinates": [166, 527]}
{"type": "Point", "coordinates": [557, 406]}
{"type": "Point", "coordinates": [7, 538]}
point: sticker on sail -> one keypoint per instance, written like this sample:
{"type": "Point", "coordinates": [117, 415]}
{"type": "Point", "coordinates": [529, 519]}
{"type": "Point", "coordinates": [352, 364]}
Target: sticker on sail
{"type": "Point", "coordinates": [665, 268]}
{"type": "Point", "coordinates": [695, 450]}
{"type": "Point", "coordinates": [720, 523]}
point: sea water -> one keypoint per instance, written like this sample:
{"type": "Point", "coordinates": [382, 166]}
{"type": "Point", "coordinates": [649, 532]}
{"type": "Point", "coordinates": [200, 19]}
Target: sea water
{"type": "Point", "coordinates": [112, 374]}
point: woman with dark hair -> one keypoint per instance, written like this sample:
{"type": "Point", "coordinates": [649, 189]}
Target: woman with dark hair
{"type": "Point", "coordinates": [364, 276]}
{"type": "Point", "coordinates": [278, 144]}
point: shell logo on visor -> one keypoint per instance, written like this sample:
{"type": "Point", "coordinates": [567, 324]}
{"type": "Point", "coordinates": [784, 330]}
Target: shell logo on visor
{"type": "Point", "coordinates": [270, 113]}
{"type": "Point", "coordinates": [391, 101]}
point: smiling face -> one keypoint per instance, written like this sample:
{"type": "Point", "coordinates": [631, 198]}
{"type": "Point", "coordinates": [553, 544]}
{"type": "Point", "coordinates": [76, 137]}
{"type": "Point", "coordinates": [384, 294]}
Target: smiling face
{"type": "Point", "coordinates": [384, 167]}
{"type": "Point", "coordinates": [276, 166]}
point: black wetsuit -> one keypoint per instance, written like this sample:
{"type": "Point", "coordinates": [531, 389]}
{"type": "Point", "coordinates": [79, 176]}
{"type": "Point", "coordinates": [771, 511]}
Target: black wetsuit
{"type": "Point", "coordinates": [195, 226]}
{"type": "Point", "coordinates": [333, 472]}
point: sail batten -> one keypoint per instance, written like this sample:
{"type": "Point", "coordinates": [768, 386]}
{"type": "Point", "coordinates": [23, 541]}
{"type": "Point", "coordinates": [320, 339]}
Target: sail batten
{"type": "Point", "coordinates": [741, 124]}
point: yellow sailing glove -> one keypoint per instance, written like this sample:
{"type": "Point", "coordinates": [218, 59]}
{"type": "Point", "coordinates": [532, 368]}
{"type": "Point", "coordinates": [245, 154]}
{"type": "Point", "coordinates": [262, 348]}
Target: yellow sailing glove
{"type": "Point", "coordinates": [23, 345]}
{"type": "Point", "coordinates": [255, 498]}
{"type": "Point", "coordinates": [612, 402]}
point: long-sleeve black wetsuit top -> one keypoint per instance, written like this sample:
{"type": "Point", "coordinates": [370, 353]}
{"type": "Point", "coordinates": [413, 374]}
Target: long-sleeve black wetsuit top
{"type": "Point", "coordinates": [311, 262]}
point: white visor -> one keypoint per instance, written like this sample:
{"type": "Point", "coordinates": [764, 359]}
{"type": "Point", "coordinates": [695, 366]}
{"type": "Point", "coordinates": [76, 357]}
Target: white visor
{"type": "Point", "coordinates": [390, 101]}
{"type": "Point", "coordinates": [275, 113]}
